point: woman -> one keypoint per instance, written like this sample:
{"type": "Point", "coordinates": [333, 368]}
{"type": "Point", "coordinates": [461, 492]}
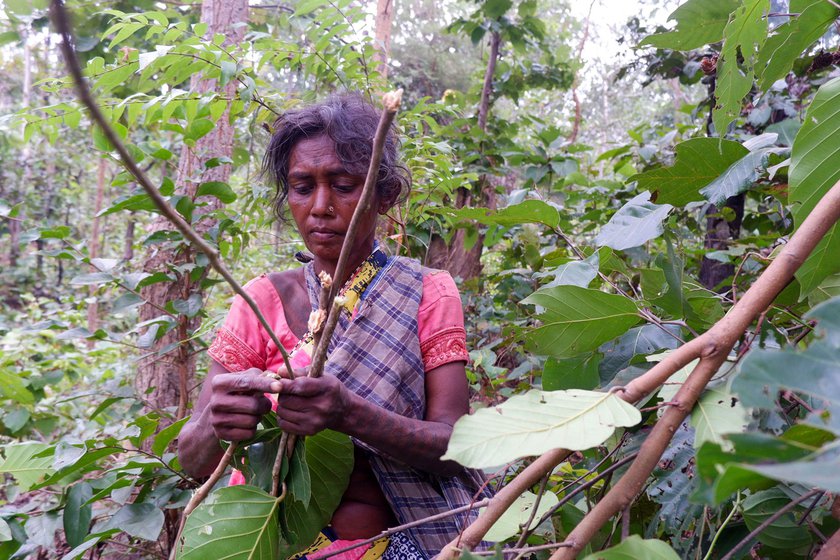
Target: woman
{"type": "Point", "coordinates": [395, 379]}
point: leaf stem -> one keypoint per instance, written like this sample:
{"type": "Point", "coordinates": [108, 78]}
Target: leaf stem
{"type": "Point", "coordinates": [735, 507]}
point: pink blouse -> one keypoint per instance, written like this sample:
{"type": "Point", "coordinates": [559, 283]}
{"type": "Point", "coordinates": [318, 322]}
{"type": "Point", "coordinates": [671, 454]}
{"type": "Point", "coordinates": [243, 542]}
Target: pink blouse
{"type": "Point", "coordinates": [242, 342]}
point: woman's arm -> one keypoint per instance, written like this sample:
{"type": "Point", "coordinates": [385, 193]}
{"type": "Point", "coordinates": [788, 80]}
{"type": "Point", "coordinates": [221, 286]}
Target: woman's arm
{"type": "Point", "coordinates": [307, 406]}
{"type": "Point", "coordinates": [229, 407]}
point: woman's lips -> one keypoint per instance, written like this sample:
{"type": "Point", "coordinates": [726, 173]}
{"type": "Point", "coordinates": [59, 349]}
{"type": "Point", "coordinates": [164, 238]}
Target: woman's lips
{"type": "Point", "coordinates": [323, 234]}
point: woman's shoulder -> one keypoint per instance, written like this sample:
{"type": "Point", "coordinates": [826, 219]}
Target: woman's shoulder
{"type": "Point", "coordinates": [437, 284]}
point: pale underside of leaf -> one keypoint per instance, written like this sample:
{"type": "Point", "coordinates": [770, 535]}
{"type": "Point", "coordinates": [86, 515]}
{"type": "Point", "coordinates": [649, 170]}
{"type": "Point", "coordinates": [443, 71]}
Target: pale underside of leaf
{"type": "Point", "coordinates": [536, 422]}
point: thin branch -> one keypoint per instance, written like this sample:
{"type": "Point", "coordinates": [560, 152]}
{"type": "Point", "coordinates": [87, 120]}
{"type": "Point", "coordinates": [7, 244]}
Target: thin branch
{"type": "Point", "coordinates": [735, 507]}
{"type": "Point", "coordinates": [201, 494]}
{"type": "Point", "coordinates": [58, 15]}
{"type": "Point", "coordinates": [487, 89]}
{"type": "Point", "coordinates": [391, 531]}
{"type": "Point", "coordinates": [769, 521]}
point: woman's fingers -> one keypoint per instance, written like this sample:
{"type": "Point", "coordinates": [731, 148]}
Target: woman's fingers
{"type": "Point", "coordinates": [250, 381]}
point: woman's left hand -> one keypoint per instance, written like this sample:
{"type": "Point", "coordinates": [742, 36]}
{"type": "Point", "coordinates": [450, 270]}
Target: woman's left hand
{"type": "Point", "coordinates": [305, 406]}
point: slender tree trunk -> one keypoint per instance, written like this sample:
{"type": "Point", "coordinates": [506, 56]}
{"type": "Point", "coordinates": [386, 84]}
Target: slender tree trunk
{"type": "Point", "coordinates": [93, 247]}
{"type": "Point", "coordinates": [578, 114]}
{"type": "Point", "coordinates": [384, 20]}
{"type": "Point", "coordinates": [128, 243]}
{"type": "Point", "coordinates": [454, 256]}
{"type": "Point", "coordinates": [26, 156]}
{"type": "Point", "coordinates": [164, 380]}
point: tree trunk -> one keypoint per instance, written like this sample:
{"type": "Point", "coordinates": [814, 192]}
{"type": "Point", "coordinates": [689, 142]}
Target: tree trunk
{"type": "Point", "coordinates": [719, 234]}
{"type": "Point", "coordinates": [26, 173]}
{"type": "Point", "coordinates": [384, 20]}
{"type": "Point", "coordinates": [93, 247]}
{"type": "Point", "coordinates": [164, 380]}
{"type": "Point", "coordinates": [454, 256]}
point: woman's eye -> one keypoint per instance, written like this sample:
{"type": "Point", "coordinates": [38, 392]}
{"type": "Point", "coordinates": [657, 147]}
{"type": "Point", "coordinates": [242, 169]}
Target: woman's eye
{"type": "Point", "coordinates": [344, 187]}
{"type": "Point", "coordinates": [301, 189]}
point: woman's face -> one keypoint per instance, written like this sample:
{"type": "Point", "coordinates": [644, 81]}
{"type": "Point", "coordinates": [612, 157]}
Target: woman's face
{"type": "Point", "coordinates": [322, 198]}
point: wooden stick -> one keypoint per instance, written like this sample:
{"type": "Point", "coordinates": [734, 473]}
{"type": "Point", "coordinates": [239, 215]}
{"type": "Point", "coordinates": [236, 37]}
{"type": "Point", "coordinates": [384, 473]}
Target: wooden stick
{"type": "Point", "coordinates": [58, 15]}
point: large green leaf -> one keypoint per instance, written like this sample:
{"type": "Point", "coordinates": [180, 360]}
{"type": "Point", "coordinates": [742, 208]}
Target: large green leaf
{"type": "Point", "coordinates": [574, 273]}
{"type": "Point", "coordinates": [638, 341]}
{"type": "Point", "coordinates": [720, 473]}
{"type": "Point", "coordinates": [536, 422]}
{"type": "Point", "coordinates": [819, 470]}
{"type": "Point", "coordinates": [813, 171]}
{"type": "Point", "coordinates": [21, 462]}
{"type": "Point", "coordinates": [517, 515]}
{"type": "Point", "coordinates": [580, 372]}
{"type": "Point", "coordinates": [635, 547]}
{"type": "Point", "coordinates": [329, 456]}
{"type": "Point", "coordinates": [673, 481]}
{"type": "Point", "coordinates": [717, 413]}
{"type": "Point", "coordinates": [77, 513]}
{"type": "Point", "coordinates": [526, 212]}
{"type": "Point", "coordinates": [635, 223]}
{"type": "Point", "coordinates": [576, 320]}
{"type": "Point", "coordinates": [235, 523]}
{"type": "Point", "coordinates": [738, 177]}
{"type": "Point", "coordinates": [814, 371]}
{"type": "Point", "coordinates": [785, 533]}
{"type": "Point", "coordinates": [12, 387]}
{"type": "Point", "coordinates": [699, 22]}
{"type": "Point", "coordinates": [143, 521]}
{"type": "Point", "coordinates": [788, 41]}
{"type": "Point", "coordinates": [744, 35]}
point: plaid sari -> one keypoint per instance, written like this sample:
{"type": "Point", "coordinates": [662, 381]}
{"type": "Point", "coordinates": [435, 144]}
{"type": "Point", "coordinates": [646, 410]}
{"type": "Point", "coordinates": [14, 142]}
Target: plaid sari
{"type": "Point", "coordinates": [377, 356]}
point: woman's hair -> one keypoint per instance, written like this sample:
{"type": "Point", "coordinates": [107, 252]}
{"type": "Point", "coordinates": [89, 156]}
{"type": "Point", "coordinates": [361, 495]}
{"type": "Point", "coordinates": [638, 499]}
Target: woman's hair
{"type": "Point", "coordinates": [350, 122]}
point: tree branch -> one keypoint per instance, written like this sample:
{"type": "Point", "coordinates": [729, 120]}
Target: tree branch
{"type": "Point", "coordinates": [712, 348]}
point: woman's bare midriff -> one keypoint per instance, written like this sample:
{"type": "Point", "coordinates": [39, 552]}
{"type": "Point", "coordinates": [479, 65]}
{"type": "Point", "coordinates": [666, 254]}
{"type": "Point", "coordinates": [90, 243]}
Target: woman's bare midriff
{"type": "Point", "coordinates": [363, 511]}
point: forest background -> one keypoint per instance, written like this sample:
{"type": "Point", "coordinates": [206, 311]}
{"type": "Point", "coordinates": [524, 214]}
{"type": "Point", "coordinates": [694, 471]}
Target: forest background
{"type": "Point", "coordinates": [601, 215]}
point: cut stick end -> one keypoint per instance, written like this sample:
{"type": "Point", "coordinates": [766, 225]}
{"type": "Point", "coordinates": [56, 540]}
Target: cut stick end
{"type": "Point", "coordinates": [392, 100]}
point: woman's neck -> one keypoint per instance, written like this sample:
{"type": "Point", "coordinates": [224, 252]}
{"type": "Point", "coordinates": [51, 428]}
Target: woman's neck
{"type": "Point", "coordinates": [356, 258]}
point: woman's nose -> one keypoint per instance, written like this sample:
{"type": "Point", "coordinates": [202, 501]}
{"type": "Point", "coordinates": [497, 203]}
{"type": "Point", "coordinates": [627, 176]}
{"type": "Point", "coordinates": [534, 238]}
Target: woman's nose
{"type": "Point", "coordinates": [322, 201]}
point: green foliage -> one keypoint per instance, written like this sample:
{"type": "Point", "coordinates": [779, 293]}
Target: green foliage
{"type": "Point", "coordinates": [812, 175]}
{"type": "Point", "coordinates": [788, 40]}
{"type": "Point", "coordinates": [234, 522]}
{"type": "Point", "coordinates": [636, 547]}
{"type": "Point", "coordinates": [699, 161]}
{"type": "Point", "coordinates": [573, 232]}
{"type": "Point", "coordinates": [635, 223]}
{"type": "Point", "coordinates": [517, 516]}
{"type": "Point", "coordinates": [744, 35]}
{"type": "Point", "coordinates": [576, 320]}
{"type": "Point", "coordinates": [699, 23]}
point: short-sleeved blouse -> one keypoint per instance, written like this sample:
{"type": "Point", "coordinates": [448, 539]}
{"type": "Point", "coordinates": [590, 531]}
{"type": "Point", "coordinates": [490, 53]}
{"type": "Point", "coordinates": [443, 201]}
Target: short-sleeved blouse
{"type": "Point", "coordinates": [242, 342]}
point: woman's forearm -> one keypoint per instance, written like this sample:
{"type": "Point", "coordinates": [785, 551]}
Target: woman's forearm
{"type": "Point", "coordinates": [199, 450]}
{"type": "Point", "coordinates": [418, 443]}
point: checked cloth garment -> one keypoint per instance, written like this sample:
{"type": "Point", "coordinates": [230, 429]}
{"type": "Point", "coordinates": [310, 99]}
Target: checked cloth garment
{"type": "Point", "coordinates": [376, 354]}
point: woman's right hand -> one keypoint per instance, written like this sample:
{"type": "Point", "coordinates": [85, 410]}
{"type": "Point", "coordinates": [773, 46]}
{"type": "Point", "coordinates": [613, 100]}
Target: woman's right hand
{"type": "Point", "coordinates": [238, 401]}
